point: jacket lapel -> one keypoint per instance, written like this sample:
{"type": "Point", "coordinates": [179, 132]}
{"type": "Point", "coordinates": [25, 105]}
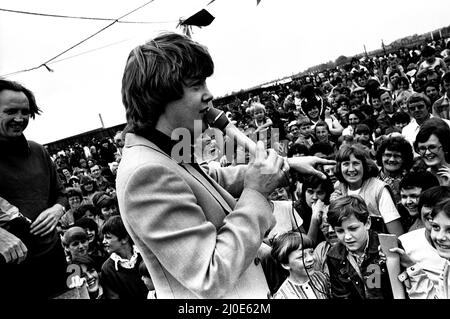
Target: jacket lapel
{"type": "Point", "coordinates": [212, 190]}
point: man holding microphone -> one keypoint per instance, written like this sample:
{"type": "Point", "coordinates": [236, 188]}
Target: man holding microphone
{"type": "Point", "coordinates": [198, 229]}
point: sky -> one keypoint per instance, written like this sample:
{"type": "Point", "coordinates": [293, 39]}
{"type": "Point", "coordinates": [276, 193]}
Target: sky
{"type": "Point", "coordinates": [250, 45]}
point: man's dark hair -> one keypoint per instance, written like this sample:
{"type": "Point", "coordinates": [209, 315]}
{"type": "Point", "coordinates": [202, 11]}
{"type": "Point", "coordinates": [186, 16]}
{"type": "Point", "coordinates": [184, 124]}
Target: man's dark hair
{"type": "Point", "coordinates": [114, 225]}
{"type": "Point", "coordinates": [421, 179]}
{"type": "Point", "coordinates": [321, 147]}
{"type": "Point", "coordinates": [401, 117]}
{"type": "Point", "coordinates": [155, 74]}
{"type": "Point", "coordinates": [15, 86]}
{"type": "Point", "coordinates": [82, 209]}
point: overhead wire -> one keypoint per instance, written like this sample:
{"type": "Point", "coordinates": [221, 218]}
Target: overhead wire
{"type": "Point", "coordinates": [80, 17]}
{"type": "Point", "coordinates": [77, 44]}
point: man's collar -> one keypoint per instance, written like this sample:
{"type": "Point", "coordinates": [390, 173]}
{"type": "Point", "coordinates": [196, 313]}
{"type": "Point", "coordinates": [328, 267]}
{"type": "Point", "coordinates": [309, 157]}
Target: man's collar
{"type": "Point", "coordinates": [164, 142]}
{"type": "Point", "coordinates": [17, 145]}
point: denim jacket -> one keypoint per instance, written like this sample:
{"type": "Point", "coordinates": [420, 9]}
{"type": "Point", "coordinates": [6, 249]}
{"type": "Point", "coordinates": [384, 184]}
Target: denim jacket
{"type": "Point", "coordinates": [346, 283]}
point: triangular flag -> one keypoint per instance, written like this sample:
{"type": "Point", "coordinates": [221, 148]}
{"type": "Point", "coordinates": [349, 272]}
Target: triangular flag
{"type": "Point", "coordinates": [257, 1]}
{"type": "Point", "coordinates": [200, 19]}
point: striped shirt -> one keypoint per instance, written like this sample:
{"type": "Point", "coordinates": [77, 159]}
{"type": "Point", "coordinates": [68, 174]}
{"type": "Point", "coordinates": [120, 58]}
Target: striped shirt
{"type": "Point", "coordinates": [317, 287]}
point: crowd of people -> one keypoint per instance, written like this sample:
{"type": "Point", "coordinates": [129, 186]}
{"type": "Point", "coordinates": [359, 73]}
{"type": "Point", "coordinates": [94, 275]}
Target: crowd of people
{"type": "Point", "coordinates": [381, 125]}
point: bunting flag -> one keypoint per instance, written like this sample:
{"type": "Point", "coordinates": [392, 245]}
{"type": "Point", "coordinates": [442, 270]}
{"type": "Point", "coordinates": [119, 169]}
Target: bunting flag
{"type": "Point", "coordinates": [201, 19]}
{"type": "Point", "coordinates": [257, 2]}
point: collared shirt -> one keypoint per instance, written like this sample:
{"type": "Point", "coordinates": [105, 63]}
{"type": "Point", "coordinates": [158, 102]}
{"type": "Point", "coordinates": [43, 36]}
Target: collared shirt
{"type": "Point", "coordinates": [166, 144]}
{"type": "Point", "coordinates": [410, 131]}
{"type": "Point", "coordinates": [354, 257]}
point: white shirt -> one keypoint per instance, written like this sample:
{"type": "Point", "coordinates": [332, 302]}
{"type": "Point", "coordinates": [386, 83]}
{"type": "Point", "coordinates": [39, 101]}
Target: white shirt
{"type": "Point", "coordinates": [386, 206]}
{"type": "Point", "coordinates": [410, 131]}
{"type": "Point", "coordinates": [282, 211]}
{"type": "Point", "coordinates": [420, 251]}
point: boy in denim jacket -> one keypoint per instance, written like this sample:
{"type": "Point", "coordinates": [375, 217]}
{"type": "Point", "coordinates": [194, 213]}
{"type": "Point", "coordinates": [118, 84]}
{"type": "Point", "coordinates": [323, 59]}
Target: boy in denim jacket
{"type": "Point", "coordinates": [357, 271]}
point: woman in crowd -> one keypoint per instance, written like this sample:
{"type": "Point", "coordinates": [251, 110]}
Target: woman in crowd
{"type": "Point", "coordinates": [433, 145]}
{"type": "Point", "coordinates": [357, 176]}
{"type": "Point", "coordinates": [395, 158]}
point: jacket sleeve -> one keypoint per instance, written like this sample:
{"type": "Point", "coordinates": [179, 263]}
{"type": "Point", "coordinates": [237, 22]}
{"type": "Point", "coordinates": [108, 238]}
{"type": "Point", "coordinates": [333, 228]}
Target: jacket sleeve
{"type": "Point", "coordinates": [107, 282]}
{"type": "Point", "coordinates": [231, 178]}
{"type": "Point", "coordinates": [164, 213]}
{"type": "Point", "coordinates": [339, 289]}
{"type": "Point", "coordinates": [421, 286]}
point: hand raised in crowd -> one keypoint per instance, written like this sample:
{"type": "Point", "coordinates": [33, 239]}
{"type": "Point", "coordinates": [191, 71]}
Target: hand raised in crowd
{"type": "Point", "coordinates": [307, 164]}
{"type": "Point", "coordinates": [46, 221]}
{"type": "Point", "coordinates": [11, 247]}
{"type": "Point", "coordinates": [264, 173]}
{"type": "Point", "coordinates": [318, 209]}
{"type": "Point", "coordinates": [405, 261]}
{"type": "Point", "coordinates": [444, 174]}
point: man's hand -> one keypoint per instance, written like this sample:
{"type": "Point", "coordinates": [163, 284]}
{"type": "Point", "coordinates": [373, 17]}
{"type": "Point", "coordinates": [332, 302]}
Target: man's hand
{"type": "Point", "coordinates": [11, 247]}
{"type": "Point", "coordinates": [46, 222]}
{"type": "Point", "coordinates": [305, 164]}
{"type": "Point", "coordinates": [265, 173]}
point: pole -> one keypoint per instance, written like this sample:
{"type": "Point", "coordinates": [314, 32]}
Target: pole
{"type": "Point", "coordinates": [101, 120]}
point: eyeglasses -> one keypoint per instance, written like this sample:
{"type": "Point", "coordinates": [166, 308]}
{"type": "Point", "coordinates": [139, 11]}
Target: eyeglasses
{"type": "Point", "coordinates": [389, 155]}
{"type": "Point", "coordinates": [416, 107]}
{"type": "Point", "coordinates": [431, 148]}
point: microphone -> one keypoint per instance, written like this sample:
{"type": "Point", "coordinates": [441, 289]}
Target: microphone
{"type": "Point", "coordinates": [217, 119]}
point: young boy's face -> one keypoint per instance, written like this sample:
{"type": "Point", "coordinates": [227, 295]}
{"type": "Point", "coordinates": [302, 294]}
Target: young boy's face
{"type": "Point", "coordinates": [295, 264]}
{"type": "Point", "coordinates": [78, 248]}
{"type": "Point", "coordinates": [410, 199]}
{"type": "Point", "coordinates": [440, 234]}
{"type": "Point", "coordinates": [305, 129]}
{"type": "Point", "coordinates": [322, 133]}
{"type": "Point", "coordinates": [400, 125]}
{"type": "Point", "coordinates": [353, 233]}
{"type": "Point", "coordinates": [112, 243]}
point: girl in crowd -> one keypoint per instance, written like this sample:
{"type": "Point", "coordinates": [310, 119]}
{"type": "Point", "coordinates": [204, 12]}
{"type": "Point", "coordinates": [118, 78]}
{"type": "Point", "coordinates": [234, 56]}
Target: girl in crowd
{"type": "Point", "coordinates": [294, 252]}
{"type": "Point", "coordinates": [433, 145]}
{"type": "Point", "coordinates": [417, 244]}
{"type": "Point", "coordinates": [313, 190]}
{"type": "Point", "coordinates": [420, 285]}
{"type": "Point", "coordinates": [357, 176]}
{"type": "Point", "coordinates": [88, 188]}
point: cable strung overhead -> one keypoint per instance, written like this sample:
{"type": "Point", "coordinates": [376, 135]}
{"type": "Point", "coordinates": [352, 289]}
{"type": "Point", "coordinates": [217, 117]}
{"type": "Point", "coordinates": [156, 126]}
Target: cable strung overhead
{"type": "Point", "coordinates": [77, 44]}
{"type": "Point", "coordinates": [76, 17]}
